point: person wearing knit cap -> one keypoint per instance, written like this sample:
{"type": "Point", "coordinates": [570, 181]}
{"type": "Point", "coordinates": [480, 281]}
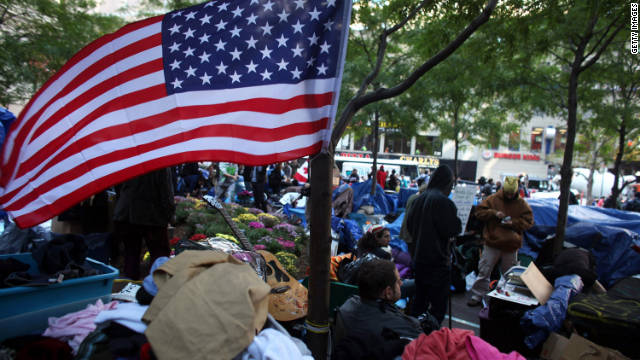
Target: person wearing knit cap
{"type": "Point", "coordinates": [432, 222]}
{"type": "Point", "coordinates": [506, 216]}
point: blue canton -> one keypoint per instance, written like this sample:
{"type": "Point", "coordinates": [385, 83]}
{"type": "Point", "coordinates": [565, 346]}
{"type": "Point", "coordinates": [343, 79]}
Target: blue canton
{"type": "Point", "coordinates": [233, 44]}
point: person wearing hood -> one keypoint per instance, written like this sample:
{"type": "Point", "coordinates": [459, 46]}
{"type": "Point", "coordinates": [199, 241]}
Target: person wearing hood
{"type": "Point", "coordinates": [432, 222]}
{"type": "Point", "coordinates": [506, 216]}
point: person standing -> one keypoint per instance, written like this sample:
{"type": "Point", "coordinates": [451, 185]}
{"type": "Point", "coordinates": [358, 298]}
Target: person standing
{"type": "Point", "coordinates": [258, 183]}
{"type": "Point", "coordinates": [506, 216]}
{"type": "Point", "coordinates": [143, 210]}
{"type": "Point", "coordinates": [381, 176]}
{"type": "Point", "coordinates": [432, 222]}
{"type": "Point", "coordinates": [229, 175]}
{"type": "Point", "coordinates": [354, 177]}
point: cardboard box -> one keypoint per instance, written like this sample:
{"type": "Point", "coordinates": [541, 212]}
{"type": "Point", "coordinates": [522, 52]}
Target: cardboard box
{"type": "Point", "coordinates": [539, 286]}
{"type": "Point", "coordinates": [558, 347]}
{"type": "Point", "coordinates": [554, 347]}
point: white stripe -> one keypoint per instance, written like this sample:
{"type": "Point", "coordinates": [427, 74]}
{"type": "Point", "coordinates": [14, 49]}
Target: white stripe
{"type": "Point", "coordinates": [56, 86]}
{"type": "Point", "coordinates": [231, 144]}
{"type": "Point", "coordinates": [267, 121]}
{"type": "Point", "coordinates": [79, 114]}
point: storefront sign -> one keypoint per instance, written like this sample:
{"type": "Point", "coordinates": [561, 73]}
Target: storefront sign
{"type": "Point", "coordinates": [355, 155]}
{"type": "Point", "coordinates": [429, 161]}
{"type": "Point", "coordinates": [516, 156]}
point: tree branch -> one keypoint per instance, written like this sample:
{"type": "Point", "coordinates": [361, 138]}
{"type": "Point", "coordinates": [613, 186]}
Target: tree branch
{"type": "Point", "coordinates": [602, 47]}
{"type": "Point", "coordinates": [559, 57]}
{"type": "Point", "coordinates": [605, 31]}
{"type": "Point", "coordinates": [385, 93]}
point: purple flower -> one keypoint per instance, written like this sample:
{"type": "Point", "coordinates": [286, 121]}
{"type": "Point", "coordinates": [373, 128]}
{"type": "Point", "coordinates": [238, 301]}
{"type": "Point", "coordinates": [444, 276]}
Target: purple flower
{"type": "Point", "coordinates": [256, 225]}
{"type": "Point", "coordinates": [259, 247]}
{"type": "Point", "coordinates": [255, 211]}
{"type": "Point", "coordinates": [287, 244]}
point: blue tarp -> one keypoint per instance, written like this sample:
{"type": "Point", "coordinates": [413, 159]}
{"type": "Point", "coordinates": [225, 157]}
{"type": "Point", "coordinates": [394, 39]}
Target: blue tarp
{"type": "Point", "coordinates": [394, 230]}
{"type": "Point", "coordinates": [382, 203]}
{"type": "Point", "coordinates": [404, 195]}
{"type": "Point", "coordinates": [349, 230]}
{"type": "Point", "coordinates": [541, 321]}
{"type": "Point", "coordinates": [607, 233]}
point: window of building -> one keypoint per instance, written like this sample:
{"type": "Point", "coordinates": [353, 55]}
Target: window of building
{"type": "Point", "coordinates": [561, 139]}
{"type": "Point", "coordinates": [514, 141]}
{"type": "Point", "coordinates": [429, 145]}
{"type": "Point", "coordinates": [536, 139]}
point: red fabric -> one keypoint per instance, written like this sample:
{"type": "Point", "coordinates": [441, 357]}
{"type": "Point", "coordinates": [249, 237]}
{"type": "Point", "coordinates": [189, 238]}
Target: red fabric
{"type": "Point", "coordinates": [441, 344]}
{"type": "Point", "coordinates": [479, 349]}
{"type": "Point", "coordinates": [381, 177]}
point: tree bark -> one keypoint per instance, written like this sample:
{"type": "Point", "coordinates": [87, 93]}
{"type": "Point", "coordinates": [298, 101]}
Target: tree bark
{"type": "Point", "coordinates": [320, 251]}
{"type": "Point", "coordinates": [374, 170]}
{"type": "Point", "coordinates": [615, 190]}
{"type": "Point", "coordinates": [566, 172]}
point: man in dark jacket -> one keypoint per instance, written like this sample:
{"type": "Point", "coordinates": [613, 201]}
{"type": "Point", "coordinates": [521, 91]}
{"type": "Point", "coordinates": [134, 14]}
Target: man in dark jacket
{"type": "Point", "coordinates": [506, 216]}
{"type": "Point", "coordinates": [144, 208]}
{"type": "Point", "coordinates": [432, 223]}
{"type": "Point", "coordinates": [372, 311]}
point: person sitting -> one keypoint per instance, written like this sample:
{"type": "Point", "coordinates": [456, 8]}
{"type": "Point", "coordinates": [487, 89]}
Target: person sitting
{"type": "Point", "coordinates": [374, 244]}
{"type": "Point", "coordinates": [374, 310]}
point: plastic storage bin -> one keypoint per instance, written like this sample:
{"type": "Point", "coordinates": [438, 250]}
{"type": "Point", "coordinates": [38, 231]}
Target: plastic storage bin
{"type": "Point", "coordinates": [26, 310]}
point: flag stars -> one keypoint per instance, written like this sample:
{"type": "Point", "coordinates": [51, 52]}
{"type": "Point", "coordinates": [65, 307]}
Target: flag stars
{"type": "Point", "coordinates": [177, 83]}
{"type": "Point", "coordinates": [221, 25]}
{"type": "Point", "coordinates": [283, 16]}
{"type": "Point", "coordinates": [175, 64]}
{"type": "Point", "coordinates": [296, 73]}
{"type": "Point", "coordinates": [223, 6]}
{"type": "Point", "coordinates": [268, 6]}
{"type": "Point", "coordinates": [328, 25]}
{"type": "Point", "coordinates": [190, 71]}
{"type": "Point", "coordinates": [235, 54]}
{"type": "Point", "coordinates": [220, 45]}
{"type": "Point", "coordinates": [204, 57]}
{"type": "Point", "coordinates": [176, 14]}
{"type": "Point", "coordinates": [266, 53]}
{"type": "Point", "coordinates": [251, 43]}
{"type": "Point", "coordinates": [297, 27]}
{"type": "Point", "coordinates": [190, 15]}
{"type": "Point", "coordinates": [266, 29]}
{"type": "Point", "coordinates": [235, 77]}
{"type": "Point", "coordinates": [311, 61]}
{"type": "Point", "coordinates": [297, 51]}
{"type": "Point", "coordinates": [331, 3]}
{"type": "Point", "coordinates": [322, 69]}
{"type": "Point", "coordinates": [204, 38]}
{"type": "Point", "coordinates": [205, 19]}
{"type": "Point", "coordinates": [188, 52]}
{"type": "Point", "coordinates": [251, 67]}
{"type": "Point", "coordinates": [222, 68]}
{"type": "Point", "coordinates": [174, 29]}
{"type": "Point", "coordinates": [255, 2]}
{"type": "Point", "coordinates": [299, 4]}
{"type": "Point", "coordinates": [282, 65]}
{"type": "Point", "coordinates": [174, 47]}
{"type": "Point", "coordinates": [235, 32]}
{"type": "Point", "coordinates": [313, 40]}
{"type": "Point", "coordinates": [282, 41]}
{"type": "Point", "coordinates": [266, 75]}
{"type": "Point", "coordinates": [237, 12]}
{"type": "Point", "coordinates": [205, 79]}
{"type": "Point", "coordinates": [188, 33]}
{"type": "Point", "coordinates": [324, 48]}
{"type": "Point", "coordinates": [315, 14]}
{"type": "Point", "coordinates": [252, 19]}
{"type": "Point", "coordinates": [209, 4]}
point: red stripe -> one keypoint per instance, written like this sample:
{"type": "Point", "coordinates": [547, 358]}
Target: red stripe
{"type": "Point", "coordinates": [237, 131]}
{"type": "Point", "coordinates": [65, 202]}
{"type": "Point", "coordinates": [81, 78]}
{"type": "Point", "coordinates": [263, 105]}
{"type": "Point", "coordinates": [86, 51]}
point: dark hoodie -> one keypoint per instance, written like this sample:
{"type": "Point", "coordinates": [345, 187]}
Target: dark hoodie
{"type": "Point", "coordinates": [432, 220]}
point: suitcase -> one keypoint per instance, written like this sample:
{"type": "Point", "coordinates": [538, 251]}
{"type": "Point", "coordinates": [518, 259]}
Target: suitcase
{"type": "Point", "coordinates": [611, 319]}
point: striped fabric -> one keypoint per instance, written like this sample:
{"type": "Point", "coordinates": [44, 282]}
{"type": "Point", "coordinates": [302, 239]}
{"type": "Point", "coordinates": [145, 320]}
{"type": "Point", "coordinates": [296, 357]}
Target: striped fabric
{"type": "Point", "coordinates": [249, 81]}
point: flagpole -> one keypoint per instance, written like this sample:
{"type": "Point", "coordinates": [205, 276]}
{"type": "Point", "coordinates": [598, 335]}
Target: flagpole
{"type": "Point", "coordinates": [321, 170]}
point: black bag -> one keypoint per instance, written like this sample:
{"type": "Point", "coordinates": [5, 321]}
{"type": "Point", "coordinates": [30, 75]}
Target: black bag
{"type": "Point", "coordinates": [344, 269]}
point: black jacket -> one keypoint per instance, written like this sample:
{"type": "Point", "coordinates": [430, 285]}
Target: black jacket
{"type": "Point", "coordinates": [432, 220]}
{"type": "Point", "coordinates": [369, 318]}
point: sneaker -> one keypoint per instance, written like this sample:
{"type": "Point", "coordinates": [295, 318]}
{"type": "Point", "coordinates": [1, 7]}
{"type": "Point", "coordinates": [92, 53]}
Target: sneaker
{"type": "Point", "coordinates": [128, 293]}
{"type": "Point", "coordinates": [474, 302]}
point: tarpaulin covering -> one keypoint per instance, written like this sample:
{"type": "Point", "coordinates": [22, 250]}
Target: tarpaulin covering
{"type": "Point", "coordinates": [609, 235]}
{"type": "Point", "coordinates": [382, 204]}
{"type": "Point", "coordinates": [394, 231]}
{"type": "Point", "coordinates": [538, 323]}
{"type": "Point", "coordinates": [404, 195]}
{"type": "Point", "coordinates": [349, 230]}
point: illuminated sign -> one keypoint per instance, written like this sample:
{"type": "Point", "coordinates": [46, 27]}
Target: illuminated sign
{"type": "Point", "coordinates": [355, 155]}
{"type": "Point", "coordinates": [515, 156]}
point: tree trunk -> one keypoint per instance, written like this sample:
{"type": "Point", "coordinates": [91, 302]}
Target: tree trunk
{"type": "Point", "coordinates": [592, 169]}
{"type": "Point", "coordinates": [320, 251]}
{"type": "Point", "coordinates": [374, 170]}
{"type": "Point", "coordinates": [615, 190]}
{"type": "Point", "coordinates": [456, 144]}
{"type": "Point", "coordinates": [565, 171]}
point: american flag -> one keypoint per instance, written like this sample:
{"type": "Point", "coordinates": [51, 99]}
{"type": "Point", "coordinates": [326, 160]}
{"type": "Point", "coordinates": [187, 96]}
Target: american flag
{"type": "Point", "coordinates": [251, 81]}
